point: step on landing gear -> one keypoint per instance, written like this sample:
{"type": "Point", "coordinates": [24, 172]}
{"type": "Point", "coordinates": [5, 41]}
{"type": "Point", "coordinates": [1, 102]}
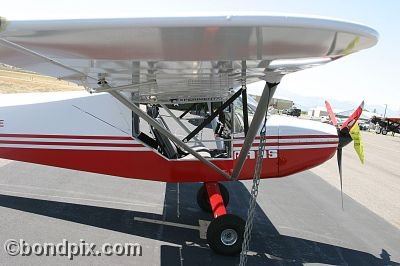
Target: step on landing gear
{"type": "Point", "coordinates": [225, 232]}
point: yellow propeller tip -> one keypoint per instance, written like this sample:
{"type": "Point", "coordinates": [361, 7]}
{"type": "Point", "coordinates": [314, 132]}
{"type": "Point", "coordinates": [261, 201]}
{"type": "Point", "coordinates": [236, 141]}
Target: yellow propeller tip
{"type": "Point", "coordinates": [3, 24]}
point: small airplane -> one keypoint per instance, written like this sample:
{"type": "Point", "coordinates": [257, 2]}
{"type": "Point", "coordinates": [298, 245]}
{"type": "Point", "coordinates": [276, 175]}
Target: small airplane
{"type": "Point", "coordinates": [137, 69]}
{"type": "Point", "coordinates": [386, 125]}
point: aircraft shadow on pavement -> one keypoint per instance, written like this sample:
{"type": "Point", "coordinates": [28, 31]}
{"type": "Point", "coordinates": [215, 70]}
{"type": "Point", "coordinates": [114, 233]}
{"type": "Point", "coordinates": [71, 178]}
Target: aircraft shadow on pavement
{"type": "Point", "coordinates": [270, 247]}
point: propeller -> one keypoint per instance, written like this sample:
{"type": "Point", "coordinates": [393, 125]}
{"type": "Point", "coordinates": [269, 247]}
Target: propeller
{"type": "Point", "coordinates": [348, 132]}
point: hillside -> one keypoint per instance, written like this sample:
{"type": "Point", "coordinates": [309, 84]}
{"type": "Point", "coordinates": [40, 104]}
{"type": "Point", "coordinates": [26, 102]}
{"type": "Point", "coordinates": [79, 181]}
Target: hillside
{"type": "Point", "coordinates": [18, 81]}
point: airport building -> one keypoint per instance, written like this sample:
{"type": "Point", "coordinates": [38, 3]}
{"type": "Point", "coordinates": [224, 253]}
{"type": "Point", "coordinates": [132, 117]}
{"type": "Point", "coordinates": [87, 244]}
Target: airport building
{"type": "Point", "coordinates": [278, 103]}
{"type": "Point", "coordinates": [282, 103]}
{"type": "Point", "coordinates": [317, 112]}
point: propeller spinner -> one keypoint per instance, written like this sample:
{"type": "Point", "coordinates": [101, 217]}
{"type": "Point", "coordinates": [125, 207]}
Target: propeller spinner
{"type": "Point", "coordinates": [348, 132]}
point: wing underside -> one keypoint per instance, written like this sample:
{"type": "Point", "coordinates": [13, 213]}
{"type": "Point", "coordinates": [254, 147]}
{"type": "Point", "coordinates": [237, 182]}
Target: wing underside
{"type": "Point", "coordinates": [181, 59]}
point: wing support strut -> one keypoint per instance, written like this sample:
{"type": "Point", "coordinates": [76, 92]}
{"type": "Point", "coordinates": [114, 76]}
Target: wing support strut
{"type": "Point", "coordinates": [212, 116]}
{"type": "Point", "coordinates": [188, 110]}
{"type": "Point", "coordinates": [244, 98]}
{"type": "Point", "coordinates": [22, 49]}
{"type": "Point", "coordinates": [245, 111]}
{"type": "Point", "coordinates": [162, 130]}
{"type": "Point", "coordinates": [178, 121]}
{"type": "Point", "coordinates": [261, 111]}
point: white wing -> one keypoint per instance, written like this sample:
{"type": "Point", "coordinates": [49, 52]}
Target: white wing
{"type": "Point", "coordinates": [178, 58]}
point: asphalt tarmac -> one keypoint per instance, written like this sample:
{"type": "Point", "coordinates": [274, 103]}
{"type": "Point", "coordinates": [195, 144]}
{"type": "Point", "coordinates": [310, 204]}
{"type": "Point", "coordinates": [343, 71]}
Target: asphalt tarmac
{"type": "Point", "coordinates": [299, 219]}
{"type": "Point", "coordinates": [376, 184]}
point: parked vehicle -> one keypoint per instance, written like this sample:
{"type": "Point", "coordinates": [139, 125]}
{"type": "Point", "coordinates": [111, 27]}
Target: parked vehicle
{"type": "Point", "coordinates": [294, 112]}
{"type": "Point", "coordinates": [364, 125]}
{"type": "Point", "coordinates": [389, 124]}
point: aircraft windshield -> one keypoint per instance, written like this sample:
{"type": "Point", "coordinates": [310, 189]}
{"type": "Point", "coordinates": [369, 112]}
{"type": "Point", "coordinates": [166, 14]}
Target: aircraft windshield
{"type": "Point", "coordinates": [251, 104]}
{"type": "Point", "coordinates": [238, 113]}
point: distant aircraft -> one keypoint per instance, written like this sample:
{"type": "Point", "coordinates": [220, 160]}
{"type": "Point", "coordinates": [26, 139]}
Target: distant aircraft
{"type": "Point", "coordinates": [386, 125]}
{"type": "Point", "coordinates": [134, 67]}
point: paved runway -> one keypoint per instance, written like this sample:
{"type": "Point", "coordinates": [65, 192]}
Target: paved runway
{"type": "Point", "coordinates": [376, 184]}
{"type": "Point", "coordinates": [299, 220]}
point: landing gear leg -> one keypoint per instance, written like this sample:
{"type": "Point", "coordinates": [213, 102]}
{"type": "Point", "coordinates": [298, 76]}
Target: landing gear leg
{"type": "Point", "coordinates": [203, 199]}
{"type": "Point", "coordinates": [225, 232]}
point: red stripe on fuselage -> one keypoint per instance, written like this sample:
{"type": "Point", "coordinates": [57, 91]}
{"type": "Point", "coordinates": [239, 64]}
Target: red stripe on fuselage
{"type": "Point", "coordinates": [65, 136]}
{"type": "Point", "coordinates": [289, 143]}
{"type": "Point", "coordinates": [149, 165]}
{"type": "Point", "coordinates": [306, 136]}
{"type": "Point", "coordinates": [69, 143]}
{"type": "Point", "coordinates": [294, 137]}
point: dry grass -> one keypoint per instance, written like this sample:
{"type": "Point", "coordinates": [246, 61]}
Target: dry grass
{"type": "Point", "coordinates": [21, 82]}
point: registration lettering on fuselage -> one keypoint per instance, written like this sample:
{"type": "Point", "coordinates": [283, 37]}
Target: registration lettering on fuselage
{"type": "Point", "coordinates": [267, 154]}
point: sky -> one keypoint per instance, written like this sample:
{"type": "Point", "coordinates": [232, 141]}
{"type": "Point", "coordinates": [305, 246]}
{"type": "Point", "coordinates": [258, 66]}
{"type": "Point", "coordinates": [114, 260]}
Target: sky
{"type": "Point", "coordinates": [369, 75]}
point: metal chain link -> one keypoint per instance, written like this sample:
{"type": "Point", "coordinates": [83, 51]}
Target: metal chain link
{"type": "Point", "coordinates": [253, 195]}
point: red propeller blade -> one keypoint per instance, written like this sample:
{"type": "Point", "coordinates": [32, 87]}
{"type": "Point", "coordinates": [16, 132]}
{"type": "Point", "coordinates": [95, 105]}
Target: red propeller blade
{"type": "Point", "coordinates": [351, 121]}
{"type": "Point", "coordinates": [331, 114]}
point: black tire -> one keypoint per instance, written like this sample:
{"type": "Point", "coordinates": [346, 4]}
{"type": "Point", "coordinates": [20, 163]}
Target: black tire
{"type": "Point", "coordinates": [204, 202]}
{"type": "Point", "coordinates": [225, 234]}
{"type": "Point", "coordinates": [384, 131]}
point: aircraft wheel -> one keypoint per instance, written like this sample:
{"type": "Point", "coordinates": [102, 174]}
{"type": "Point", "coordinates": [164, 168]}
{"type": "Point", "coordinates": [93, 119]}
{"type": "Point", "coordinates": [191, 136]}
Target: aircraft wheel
{"type": "Point", "coordinates": [225, 234]}
{"type": "Point", "coordinates": [204, 202]}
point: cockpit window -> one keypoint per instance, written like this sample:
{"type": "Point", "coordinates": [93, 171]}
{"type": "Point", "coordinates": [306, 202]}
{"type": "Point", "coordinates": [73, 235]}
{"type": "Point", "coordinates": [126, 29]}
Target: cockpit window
{"type": "Point", "coordinates": [251, 104]}
{"type": "Point", "coordinates": [238, 112]}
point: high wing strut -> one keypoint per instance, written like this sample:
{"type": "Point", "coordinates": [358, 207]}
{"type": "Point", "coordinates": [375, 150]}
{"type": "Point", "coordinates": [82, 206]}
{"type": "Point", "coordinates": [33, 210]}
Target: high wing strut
{"type": "Point", "coordinates": [261, 110]}
{"type": "Point", "coordinates": [245, 111]}
{"type": "Point", "coordinates": [178, 121]}
{"type": "Point", "coordinates": [244, 98]}
{"type": "Point", "coordinates": [259, 114]}
{"type": "Point", "coordinates": [212, 116]}
{"type": "Point", "coordinates": [188, 110]}
{"type": "Point", "coordinates": [22, 49]}
{"type": "Point", "coordinates": [162, 130]}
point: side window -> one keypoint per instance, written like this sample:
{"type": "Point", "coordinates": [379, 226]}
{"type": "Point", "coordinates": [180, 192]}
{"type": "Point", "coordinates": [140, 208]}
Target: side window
{"type": "Point", "coordinates": [238, 123]}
